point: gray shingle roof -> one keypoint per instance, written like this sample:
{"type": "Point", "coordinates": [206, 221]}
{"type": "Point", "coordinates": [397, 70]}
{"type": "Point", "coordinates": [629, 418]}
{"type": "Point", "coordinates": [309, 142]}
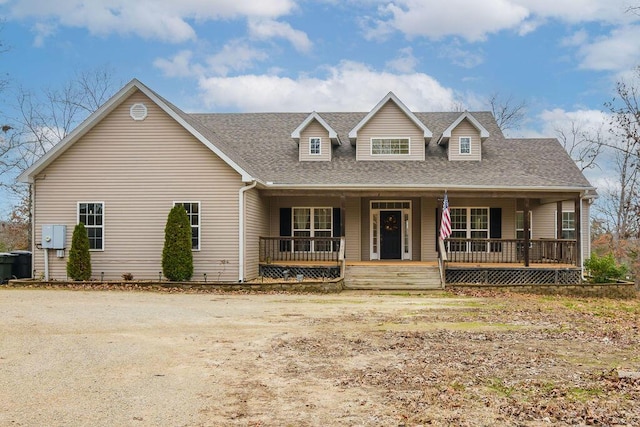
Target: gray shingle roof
{"type": "Point", "coordinates": [262, 144]}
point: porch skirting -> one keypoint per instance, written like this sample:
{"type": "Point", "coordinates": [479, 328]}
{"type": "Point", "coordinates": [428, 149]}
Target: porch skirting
{"type": "Point", "coordinates": [512, 275]}
{"type": "Point", "coordinates": [281, 271]}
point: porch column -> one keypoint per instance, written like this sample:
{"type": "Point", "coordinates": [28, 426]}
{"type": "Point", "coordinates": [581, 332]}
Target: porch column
{"type": "Point", "coordinates": [578, 228]}
{"type": "Point", "coordinates": [559, 220]}
{"type": "Point", "coordinates": [527, 227]}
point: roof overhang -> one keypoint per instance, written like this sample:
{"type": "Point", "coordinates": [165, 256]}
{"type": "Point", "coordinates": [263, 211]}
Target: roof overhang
{"type": "Point", "coordinates": [333, 135]}
{"type": "Point", "coordinates": [484, 133]}
{"type": "Point", "coordinates": [353, 134]}
{"type": "Point", "coordinates": [130, 88]}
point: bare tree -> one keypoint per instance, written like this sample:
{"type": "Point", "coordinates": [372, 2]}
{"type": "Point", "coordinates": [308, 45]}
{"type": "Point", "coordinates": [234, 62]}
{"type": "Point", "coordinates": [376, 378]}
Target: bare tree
{"type": "Point", "coordinates": [584, 146]}
{"type": "Point", "coordinates": [42, 120]}
{"type": "Point", "coordinates": [508, 112]}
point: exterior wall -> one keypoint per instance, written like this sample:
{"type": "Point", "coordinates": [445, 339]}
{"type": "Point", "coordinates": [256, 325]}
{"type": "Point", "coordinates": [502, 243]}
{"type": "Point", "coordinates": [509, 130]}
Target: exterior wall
{"type": "Point", "coordinates": [429, 251]}
{"type": "Point", "coordinates": [315, 129]}
{"type": "Point", "coordinates": [353, 233]}
{"type": "Point", "coordinates": [365, 225]}
{"type": "Point", "coordinates": [465, 128]}
{"type": "Point", "coordinates": [288, 202]}
{"type": "Point", "coordinates": [390, 122]}
{"type": "Point", "coordinates": [256, 225]}
{"type": "Point", "coordinates": [138, 169]}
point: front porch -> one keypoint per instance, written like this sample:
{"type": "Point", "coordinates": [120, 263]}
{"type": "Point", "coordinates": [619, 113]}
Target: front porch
{"type": "Point", "coordinates": [487, 261]}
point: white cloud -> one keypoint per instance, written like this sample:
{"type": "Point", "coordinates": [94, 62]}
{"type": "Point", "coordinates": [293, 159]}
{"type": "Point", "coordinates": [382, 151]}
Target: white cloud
{"type": "Point", "coordinates": [405, 62]}
{"type": "Point", "coordinates": [461, 57]}
{"type": "Point", "coordinates": [472, 20]}
{"type": "Point", "coordinates": [42, 30]}
{"type": "Point", "coordinates": [578, 38]}
{"type": "Point", "coordinates": [617, 51]}
{"type": "Point", "coordinates": [269, 28]}
{"type": "Point", "coordinates": [234, 56]}
{"type": "Point", "coordinates": [165, 20]}
{"type": "Point", "coordinates": [349, 86]}
{"type": "Point", "coordinates": [178, 66]}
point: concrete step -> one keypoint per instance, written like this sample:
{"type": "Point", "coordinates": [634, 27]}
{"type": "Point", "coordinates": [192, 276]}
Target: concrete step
{"type": "Point", "coordinates": [390, 277]}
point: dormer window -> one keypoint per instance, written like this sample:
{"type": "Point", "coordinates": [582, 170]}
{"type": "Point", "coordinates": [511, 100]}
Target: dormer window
{"type": "Point", "coordinates": [465, 145]}
{"type": "Point", "coordinates": [315, 146]}
{"type": "Point", "coordinates": [381, 146]}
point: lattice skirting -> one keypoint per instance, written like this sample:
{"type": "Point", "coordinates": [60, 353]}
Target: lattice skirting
{"type": "Point", "coordinates": [513, 276]}
{"type": "Point", "coordinates": [292, 272]}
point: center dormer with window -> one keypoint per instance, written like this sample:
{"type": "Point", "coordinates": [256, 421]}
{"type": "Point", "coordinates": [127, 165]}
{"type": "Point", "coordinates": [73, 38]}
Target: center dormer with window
{"type": "Point", "coordinates": [390, 132]}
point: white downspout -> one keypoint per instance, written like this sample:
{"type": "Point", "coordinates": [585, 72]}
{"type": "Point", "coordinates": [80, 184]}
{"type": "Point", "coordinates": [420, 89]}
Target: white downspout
{"type": "Point", "coordinates": [241, 229]}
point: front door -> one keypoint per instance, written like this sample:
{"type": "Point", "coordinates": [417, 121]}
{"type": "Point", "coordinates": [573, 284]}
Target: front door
{"type": "Point", "coordinates": [390, 234]}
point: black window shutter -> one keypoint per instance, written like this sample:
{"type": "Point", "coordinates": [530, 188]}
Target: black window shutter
{"type": "Point", "coordinates": [285, 228]}
{"type": "Point", "coordinates": [438, 220]}
{"type": "Point", "coordinates": [495, 228]}
{"type": "Point", "coordinates": [337, 229]}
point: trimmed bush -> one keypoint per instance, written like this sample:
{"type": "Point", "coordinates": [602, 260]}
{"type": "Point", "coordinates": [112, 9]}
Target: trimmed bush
{"type": "Point", "coordinates": [604, 269]}
{"type": "Point", "coordinates": [177, 259]}
{"type": "Point", "coordinates": [79, 262]}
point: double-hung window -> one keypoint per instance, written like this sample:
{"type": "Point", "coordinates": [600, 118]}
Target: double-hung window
{"type": "Point", "coordinates": [568, 225]}
{"type": "Point", "coordinates": [91, 214]}
{"type": "Point", "coordinates": [193, 212]}
{"type": "Point", "coordinates": [312, 222]}
{"type": "Point", "coordinates": [520, 225]}
{"type": "Point", "coordinates": [465, 145]}
{"type": "Point", "coordinates": [469, 223]}
{"type": "Point", "coordinates": [394, 146]}
{"type": "Point", "coordinates": [315, 145]}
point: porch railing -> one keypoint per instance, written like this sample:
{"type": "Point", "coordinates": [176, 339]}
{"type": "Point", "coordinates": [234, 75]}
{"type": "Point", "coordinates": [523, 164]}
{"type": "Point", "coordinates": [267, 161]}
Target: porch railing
{"type": "Point", "coordinates": [511, 251]}
{"type": "Point", "coordinates": [293, 249]}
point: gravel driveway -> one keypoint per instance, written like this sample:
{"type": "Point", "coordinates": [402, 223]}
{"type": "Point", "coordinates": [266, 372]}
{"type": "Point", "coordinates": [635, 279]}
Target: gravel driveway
{"type": "Point", "coordinates": [142, 358]}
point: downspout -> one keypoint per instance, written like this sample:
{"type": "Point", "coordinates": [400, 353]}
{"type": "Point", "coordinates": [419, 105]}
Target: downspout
{"type": "Point", "coordinates": [582, 230]}
{"type": "Point", "coordinates": [241, 229]}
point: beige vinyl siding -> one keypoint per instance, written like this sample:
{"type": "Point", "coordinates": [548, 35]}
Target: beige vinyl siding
{"type": "Point", "coordinates": [297, 202]}
{"type": "Point", "coordinates": [465, 129]}
{"type": "Point", "coordinates": [429, 218]}
{"type": "Point", "coordinates": [138, 169]}
{"type": "Point", "coordinates": [586, 229]}
{"type": "Point", "coordinates": [256, 225]}
{"type": "Point", "coordinates": [390, 122]}
{"type": "Point", "coordinates": [352, 229]}
{"type": "Point", "coordinates": [313, 130]}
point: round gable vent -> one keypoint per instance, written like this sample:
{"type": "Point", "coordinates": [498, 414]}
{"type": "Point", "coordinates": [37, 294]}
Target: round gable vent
{"type": "Point", "coordinates": [138, 111]}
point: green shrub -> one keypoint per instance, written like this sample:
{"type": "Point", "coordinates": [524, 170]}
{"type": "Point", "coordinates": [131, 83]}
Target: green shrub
{"type": "Point", "coordinates": [604, 269]}
{"type": "Point", "coordinates": [177, 259]}
{"type": "Point", "coordinates": [79, 262]}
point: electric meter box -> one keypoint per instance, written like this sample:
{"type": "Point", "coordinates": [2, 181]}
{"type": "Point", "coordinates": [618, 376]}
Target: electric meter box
{"type": "Point", "coordinates": [54, 236]}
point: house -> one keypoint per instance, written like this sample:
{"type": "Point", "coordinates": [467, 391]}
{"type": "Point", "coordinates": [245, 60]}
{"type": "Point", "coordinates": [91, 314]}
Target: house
{"type": "Point", "coordinates": [314, 193]}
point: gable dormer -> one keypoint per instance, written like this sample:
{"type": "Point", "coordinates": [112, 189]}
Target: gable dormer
{"type": "Point", "coordinates": [464, 138]}
{"type": "Point", "coordinates": [315, 139]}
{"type": "Point", "coordinates": [390, 132]}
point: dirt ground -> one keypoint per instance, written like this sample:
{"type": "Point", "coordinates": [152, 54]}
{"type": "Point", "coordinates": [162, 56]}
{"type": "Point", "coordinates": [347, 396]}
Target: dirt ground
{"type": "Point", "coordinates": [117, 358]}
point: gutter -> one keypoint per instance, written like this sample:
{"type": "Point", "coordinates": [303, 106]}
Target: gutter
{"type": "Point", "coordinates": [241, 228]}
{"type": "Point", "coordinates": [426, 187]}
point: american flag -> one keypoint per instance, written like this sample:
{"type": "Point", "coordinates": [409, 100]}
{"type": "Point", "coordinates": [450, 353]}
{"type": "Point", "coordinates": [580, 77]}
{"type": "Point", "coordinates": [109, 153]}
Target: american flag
{"type": "Point", "coordinates": [445, 224]}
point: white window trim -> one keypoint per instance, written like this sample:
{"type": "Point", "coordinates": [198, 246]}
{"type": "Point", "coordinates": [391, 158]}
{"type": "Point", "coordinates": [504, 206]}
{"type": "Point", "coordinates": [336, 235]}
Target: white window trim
{"type": "Point", "coordinates": [530, 224]}
{"type": "Point", "coordinates": [460, 145]}
{"type": "Point", "coordinates": [319, 153]}
{"type": "Point", "coordinates": [312, 229]}
{"type": "Point", "coordinates": [555, 227]}
{"type": "Point", "coordinates": [406, 255]}
{"type": "Point", "coordinates": [390, 154]}
{"type": "Point", "coordinates": [199, 220]}
{"type": "Point", "coordinates": [103, 221]}
{"type": "Point", "coordinates": [468, 228]}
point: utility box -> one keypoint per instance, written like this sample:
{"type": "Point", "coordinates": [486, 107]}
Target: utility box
{"type": "Point", "coordinates": [54, 236]}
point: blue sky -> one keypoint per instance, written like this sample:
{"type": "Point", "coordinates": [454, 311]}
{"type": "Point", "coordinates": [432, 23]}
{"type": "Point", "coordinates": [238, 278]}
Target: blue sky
{"type": "Point", "coordinates": [562, 57]}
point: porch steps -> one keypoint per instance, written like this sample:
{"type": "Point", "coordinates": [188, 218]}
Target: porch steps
{"type": "Point", "coordinates": [392, 277]}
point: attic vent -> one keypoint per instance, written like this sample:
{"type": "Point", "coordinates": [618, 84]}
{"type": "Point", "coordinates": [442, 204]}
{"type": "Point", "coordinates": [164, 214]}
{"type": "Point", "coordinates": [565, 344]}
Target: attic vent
{"type": "Point", "coordinates": [138, 112]}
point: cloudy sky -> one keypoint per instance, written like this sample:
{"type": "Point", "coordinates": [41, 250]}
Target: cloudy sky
{"type": "Point", "coordinates": [562, 57]}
